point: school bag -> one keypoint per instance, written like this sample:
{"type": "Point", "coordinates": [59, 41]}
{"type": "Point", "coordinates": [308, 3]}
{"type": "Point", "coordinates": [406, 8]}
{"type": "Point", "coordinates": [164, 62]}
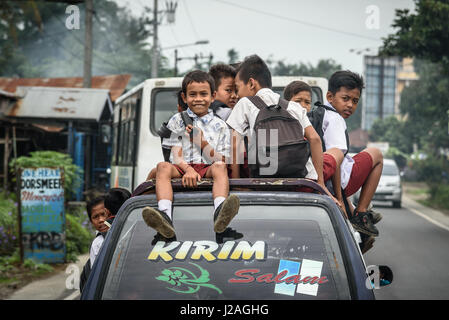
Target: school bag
{"type": "Point", "coordinates": [293, 149]}
{"type": "Point", "coordinates": [165, 132]}
{"type": "Point", "coordinates": [316, 119]}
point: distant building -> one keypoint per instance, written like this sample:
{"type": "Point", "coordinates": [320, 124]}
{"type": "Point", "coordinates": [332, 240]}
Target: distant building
{"type": "Point", "coordinates": [385, 78]}
{"type": "Point", "coordinates": [58, 114]}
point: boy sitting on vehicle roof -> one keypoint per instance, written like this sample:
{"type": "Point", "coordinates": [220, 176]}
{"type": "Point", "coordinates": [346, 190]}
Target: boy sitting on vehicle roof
{"type": "Point", "coordinates": [301, 92]}
{"type": "Point", "coordinates": [254, 79]}
{"type": "Point", "coordinates": [365, 168]}
{"type": "Point", "coordinates": [204, 158]}
{"type": "Point", "coordinates": [226, 94]}
{"type": "Point", "coordinates": [166, 150]}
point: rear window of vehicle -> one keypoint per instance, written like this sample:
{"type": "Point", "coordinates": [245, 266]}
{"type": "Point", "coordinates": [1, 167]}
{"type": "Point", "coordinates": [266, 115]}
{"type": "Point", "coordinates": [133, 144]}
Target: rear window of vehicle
{"type": "Point", "coordinates": [390, 170]}
{"type": "Point", "coordinates": [268, 252]}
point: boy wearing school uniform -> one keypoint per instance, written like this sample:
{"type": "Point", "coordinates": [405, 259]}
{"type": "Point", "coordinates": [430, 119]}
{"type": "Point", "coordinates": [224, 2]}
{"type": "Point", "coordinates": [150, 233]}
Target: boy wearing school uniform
{"type": "Point", "coordinates": [226, 95]}
{"type": "Point", "coordinates": [204, 158]}
{"type": "Point", "coordinates": [364, 169]}
{"type": "Point", "coordinates": [254, 79]}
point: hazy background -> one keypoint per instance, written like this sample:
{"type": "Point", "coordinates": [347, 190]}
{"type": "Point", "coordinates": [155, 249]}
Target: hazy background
{"type": "Point", "coordinates": [293, 31]}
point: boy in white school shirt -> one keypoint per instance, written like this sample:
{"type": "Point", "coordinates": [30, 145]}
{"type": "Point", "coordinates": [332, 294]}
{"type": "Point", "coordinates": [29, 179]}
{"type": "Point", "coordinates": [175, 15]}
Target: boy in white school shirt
{"type": "Point", "coordinates": [364, 169]}
{"type": "Point", "coordinates": [254, 79]}
{"type": "Point", "coordinates": [205, 158]}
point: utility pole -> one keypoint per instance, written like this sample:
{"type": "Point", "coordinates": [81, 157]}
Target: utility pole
{"type": "Point", "coordinates": [154, 58]}
{"type": "Point", "coordinates": [87, 76]}
{"type": "Point", "coordinates": [176, 62]}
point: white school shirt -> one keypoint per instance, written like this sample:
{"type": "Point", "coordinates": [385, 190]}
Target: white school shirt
{"type": "Point", "coordinates": [243, 118]}
{"type": "Point", "coordinates": [95, 248]}
{"type": "Point", "coordinates": [215, 131]}
{"type": "Point", "coordinates": [334, 127]}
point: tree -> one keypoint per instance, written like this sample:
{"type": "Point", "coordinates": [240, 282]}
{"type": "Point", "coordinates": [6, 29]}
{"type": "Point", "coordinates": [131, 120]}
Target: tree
{"type": "Point", "coordinates": [424, 103]}
{"type": "Point", "coordinates": [233, 56]}
{"type": "Point", "coordinates": [394, 132]}
{"type": "Point", "coordinates": [423, 35]}
{"type": "Point", "coordinates": [324, 68]}
{"type": "Point", "coordinates": [120, 42]}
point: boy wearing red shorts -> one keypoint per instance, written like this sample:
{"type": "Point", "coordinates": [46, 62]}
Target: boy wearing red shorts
{"type": "Point", "coordinates": [364, 169]}
{"type": "Point", "coordinates": [197, 155]}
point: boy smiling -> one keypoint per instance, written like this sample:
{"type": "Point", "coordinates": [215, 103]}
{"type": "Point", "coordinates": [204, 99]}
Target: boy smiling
{"type": "Point", "coordinates": [204, 158]}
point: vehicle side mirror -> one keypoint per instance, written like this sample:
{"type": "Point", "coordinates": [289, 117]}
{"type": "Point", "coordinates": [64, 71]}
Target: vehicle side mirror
{"type": "Point", "coordinates": [105, 131]}
{"type": "Point", "coordinates": [378, 276]}
{"type": "Point", "coordinates": [401, 173]}
{"type": "Point", "coordinates": [386, 276]}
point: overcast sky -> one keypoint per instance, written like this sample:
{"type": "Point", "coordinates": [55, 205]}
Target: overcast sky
{"type": "Point", "coordinates": [290, 30]}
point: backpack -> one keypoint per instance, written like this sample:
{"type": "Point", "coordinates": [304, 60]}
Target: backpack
{"type": "Point", "coordinates": [165, 132]}
{"type": "Point", "coordinates": [316, 119]}
{"type": "Point", "coordinates": [293, 149]}
{"type": "Point", "coordinates": [86, 269]}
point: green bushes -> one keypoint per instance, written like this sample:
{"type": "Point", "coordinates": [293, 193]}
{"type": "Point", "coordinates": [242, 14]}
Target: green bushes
{"type": "Point", "coordinates": [435, 172]}
{"type": "Point", "coordinates": [79, 233]}
{"type": "Point", "coordinates": [8, 222]}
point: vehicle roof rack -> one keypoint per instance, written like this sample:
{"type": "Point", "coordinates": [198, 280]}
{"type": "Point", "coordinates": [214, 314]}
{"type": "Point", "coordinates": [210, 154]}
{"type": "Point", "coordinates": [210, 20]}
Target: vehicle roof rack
{"type": "Point", "coordinates": [247, 184]}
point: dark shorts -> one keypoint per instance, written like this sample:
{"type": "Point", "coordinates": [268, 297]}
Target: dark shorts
{"type": "Point", "coordinates": [200, 168]}
{"type": "Point", "coordinates": [363, 163]}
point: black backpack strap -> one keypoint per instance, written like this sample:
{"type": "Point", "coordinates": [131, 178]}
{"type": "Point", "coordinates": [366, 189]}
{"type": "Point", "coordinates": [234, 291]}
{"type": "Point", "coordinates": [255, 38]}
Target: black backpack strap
{"type": "Point", "coordinates": [186, 118]}
{"type": "Point", "coordinates": [257, 101]}
{"type": "Point", "coordinates": [283, 103]}
{"type": "Point", "coordinates": [214, 106]}
{"type": "Point", "coordinates": [163, 131]}
{"type": "Point", "coordinates": [319, 104]}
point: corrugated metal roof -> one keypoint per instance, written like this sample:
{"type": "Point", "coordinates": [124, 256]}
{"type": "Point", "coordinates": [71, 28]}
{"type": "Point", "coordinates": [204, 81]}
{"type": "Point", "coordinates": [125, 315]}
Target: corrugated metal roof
{"type": "Point", "coordinates": [8, 94]}
{"type": "Point", "coordinates": [116, 84]}
{"type": "Point", "coordinates": [60, 103]}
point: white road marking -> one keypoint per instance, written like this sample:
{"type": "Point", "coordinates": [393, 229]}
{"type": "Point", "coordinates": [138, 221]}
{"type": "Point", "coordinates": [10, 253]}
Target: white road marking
{"type": "Point", "coordinates": [73, 295]}
{"type": "Point", "coordinates": [422, 215]}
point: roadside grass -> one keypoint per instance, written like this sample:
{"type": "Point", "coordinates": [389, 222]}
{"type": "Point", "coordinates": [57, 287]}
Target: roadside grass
{"type": "Point", "coordinates": [13, 275]}
{"type": "Point", "coordinates": [421, 193]}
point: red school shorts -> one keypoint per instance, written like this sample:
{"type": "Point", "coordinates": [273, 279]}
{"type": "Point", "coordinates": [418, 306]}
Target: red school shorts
{"type": "Point", "coordinates": [329, 167]}
{"type": "Point", "coordinates": [200, 168]}
{"type": "Point", "coordinates": [363, 163]}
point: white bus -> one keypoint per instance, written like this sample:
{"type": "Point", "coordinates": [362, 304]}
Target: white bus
{"type": "Point", "coordinates": [139, 113]}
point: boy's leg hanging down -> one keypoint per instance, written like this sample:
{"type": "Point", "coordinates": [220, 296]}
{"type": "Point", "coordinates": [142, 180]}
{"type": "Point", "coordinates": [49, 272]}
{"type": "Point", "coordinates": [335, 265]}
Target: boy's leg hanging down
{"type": "Point", "coordinates": [226, 206]}
{"type": "Point", "coordinates": [366, 173]}
{"type": "Point", "coordinates": [160, 219]}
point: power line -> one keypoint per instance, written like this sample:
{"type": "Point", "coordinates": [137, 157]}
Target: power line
{"type": "Point", "coordinates": [190, 19]}
{"type": "Point", "coordinates": [295, 20]}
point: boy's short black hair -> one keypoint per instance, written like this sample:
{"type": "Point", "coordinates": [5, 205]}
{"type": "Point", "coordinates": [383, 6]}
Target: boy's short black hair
{"type": "Point", "coordinates": [92, 203]}
{"type": "Point", "coordinates": [347, 79]}
{"type": "Point", "coordinates": [197, 76]}
{"type": "Point", "coordinates": [220, 71]}
{"type": "Point", "coordinates": [181, 102]}
{"type": "Point", "coordinates": [294, 88]}
{"type": "Point", "coordinates": [254, 67]}
{"type": "Point", "coordinates": [114, 199]}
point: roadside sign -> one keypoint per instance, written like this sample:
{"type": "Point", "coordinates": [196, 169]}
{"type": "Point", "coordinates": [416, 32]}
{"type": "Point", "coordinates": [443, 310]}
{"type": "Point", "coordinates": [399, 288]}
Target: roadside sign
{"type": "Point", "coordinates": [42, 214]}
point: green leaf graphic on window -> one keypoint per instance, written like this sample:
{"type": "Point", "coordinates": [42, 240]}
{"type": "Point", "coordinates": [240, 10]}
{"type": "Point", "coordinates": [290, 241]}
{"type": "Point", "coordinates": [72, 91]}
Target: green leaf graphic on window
{"type": "Point", "coordinates": [178, 277]}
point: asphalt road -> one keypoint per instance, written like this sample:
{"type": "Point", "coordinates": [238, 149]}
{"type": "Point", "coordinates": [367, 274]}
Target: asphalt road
{"type": "Point", "coordinates": [416, 250]}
